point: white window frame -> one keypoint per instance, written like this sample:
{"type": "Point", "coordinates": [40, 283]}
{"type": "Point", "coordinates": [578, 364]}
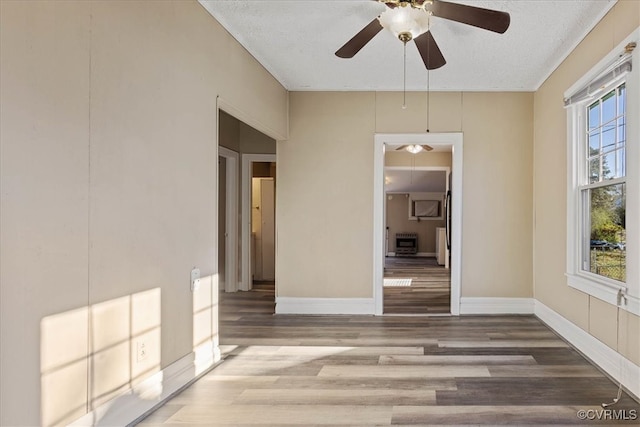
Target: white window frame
{"type": "Point", "coordinates": [624, 295]}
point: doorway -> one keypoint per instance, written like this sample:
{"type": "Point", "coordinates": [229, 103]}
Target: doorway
{"type": "Point", "coordinates": [242, 143]}
{"type": "Point", "coordinates": [382, 142]}
{"type": "Point", "coordinates": [417, 277]}
{"type": "Point", "coordinates": [241, 147]}
{"type": "Point", "coordinates": [263, 230]}
{"type": "Point", "coordinates": [258, 225]}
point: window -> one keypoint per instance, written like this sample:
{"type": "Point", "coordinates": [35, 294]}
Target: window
{"type": "Point", "coordinates": [602, 185]}
{"type": "Point", "coordinates": [426, 208]}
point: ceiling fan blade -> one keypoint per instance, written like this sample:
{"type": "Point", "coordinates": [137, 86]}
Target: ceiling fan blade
{"type": "Point", "coordinates": [492, 20]}
{"type": "Point", "coordinates": [427, 147]}
{"type": "Point", "coordinates": [358, 41]}
{"type": "Point", "coordinates": [402, 147]}
{"type": "Point", "coordinates": [390, 5]}
{"type": "Point", "coordinates": [429, 51]}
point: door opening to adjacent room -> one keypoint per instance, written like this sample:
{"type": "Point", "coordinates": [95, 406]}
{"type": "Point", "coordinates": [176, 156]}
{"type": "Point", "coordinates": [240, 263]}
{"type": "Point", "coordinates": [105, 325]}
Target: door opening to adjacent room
{"type": "Point", "coordinates": [246, 211]}
{"type": "Point", "coordinates": [417, 277]}
{"type": "Point", "coordinates": [263, 227]}
{"type": "Point", "coordinates": [417, 223]}
{"type": "Point", "coordinates": [258, 229]}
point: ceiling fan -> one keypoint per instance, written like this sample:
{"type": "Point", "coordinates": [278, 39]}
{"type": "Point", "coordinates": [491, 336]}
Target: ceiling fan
{"type": "Point", "coordinates": [409, 20]}
{"type": "Point", "coordinates": [415, 148]}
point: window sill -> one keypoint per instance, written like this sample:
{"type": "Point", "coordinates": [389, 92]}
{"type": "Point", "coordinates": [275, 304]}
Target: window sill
{"type": "Point", "coordinates": [604, 291]}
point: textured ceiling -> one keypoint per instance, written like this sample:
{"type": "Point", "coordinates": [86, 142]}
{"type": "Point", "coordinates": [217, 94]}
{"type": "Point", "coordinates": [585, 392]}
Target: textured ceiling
{"type": "Point", "coordinates": [295, 41]}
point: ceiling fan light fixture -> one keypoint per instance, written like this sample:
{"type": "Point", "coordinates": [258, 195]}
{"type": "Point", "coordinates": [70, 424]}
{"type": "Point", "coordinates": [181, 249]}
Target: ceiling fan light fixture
{"type": "Point", "coordinates": [414, 148]}
{"type": "Point", "coordinates": [404, 20]}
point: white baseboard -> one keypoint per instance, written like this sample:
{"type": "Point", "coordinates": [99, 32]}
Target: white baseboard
{"type": "Point", "coordinates": [496, 305]}
{"type": "Point", "coordinates": [133, 405]}
{"type": "Point", "coordinates": [289, 305]}
{"type": "Point", "coordinates": [609, 360]}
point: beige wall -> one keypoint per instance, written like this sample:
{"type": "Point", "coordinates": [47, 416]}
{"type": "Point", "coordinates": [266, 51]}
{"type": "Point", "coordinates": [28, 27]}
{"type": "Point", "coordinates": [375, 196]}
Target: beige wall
{"type": "Point", "coordinates": [324, 198]}
{"type": "Point", "coordinates": [325, 188]}
{"type": "Point", "coordinates": [550, 174]}
{"type": "Point", "coordinates": [108, 183]}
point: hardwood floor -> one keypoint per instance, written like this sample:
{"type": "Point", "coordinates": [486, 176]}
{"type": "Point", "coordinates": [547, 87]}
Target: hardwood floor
{"type": "Point", "coordinates": [388, 370]}
{"type": "Point", "coordinates": [430, 288]}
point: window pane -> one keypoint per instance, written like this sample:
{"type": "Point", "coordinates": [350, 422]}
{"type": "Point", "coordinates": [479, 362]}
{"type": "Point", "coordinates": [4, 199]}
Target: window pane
{"type": "Point", "coordinates": [594, 170]}
{"type": "Point", "coordinates": [594, 143]}
{"type": "Point", "coordinates": [622, 130]}
{"type": "Point", "coordinates": [607, 225]}
{"type": "Point", "coordinates": [609, 107]}
{"type": "Point", "coordinates": [609, 166]}
{"type": "Point", "coordinates": [608, 137]}
{"type": "Point", "coordinates": [594, 115]}
{"type": "Point", "coordinates": [622, 163]}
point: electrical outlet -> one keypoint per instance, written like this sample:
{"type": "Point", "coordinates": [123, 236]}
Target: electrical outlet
{"type": "Point", "coordinates": [141, 351]}
{"type": "Point", "coordinates": [195, 279]}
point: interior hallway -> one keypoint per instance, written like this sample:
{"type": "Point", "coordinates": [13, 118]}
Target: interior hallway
{"type": "Point", "coordinates": [430, 290]}
{"type": "Point", "coordinates": [365, 370]}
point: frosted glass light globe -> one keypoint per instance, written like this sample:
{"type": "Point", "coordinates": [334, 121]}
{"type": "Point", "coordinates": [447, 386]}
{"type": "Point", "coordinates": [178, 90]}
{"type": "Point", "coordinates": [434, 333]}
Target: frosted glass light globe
{"type": "Point", "coordinates": [405, 20]}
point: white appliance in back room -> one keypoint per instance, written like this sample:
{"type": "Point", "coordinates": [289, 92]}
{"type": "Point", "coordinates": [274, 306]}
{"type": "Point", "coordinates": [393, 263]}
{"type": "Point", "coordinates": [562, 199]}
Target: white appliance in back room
{"type": "Point", "coordinates": [443, 234]}
{"type": "Point", "coordinates": [441, 247]}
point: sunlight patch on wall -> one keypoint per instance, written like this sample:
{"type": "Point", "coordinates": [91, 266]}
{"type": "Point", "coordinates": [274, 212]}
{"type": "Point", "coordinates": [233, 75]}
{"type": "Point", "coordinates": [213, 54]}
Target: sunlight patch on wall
{"type": "Point", "coordinates": [205, 323]}
{"type": "Point", "coordinates": [92, 355]}
{"type": "Point", "coordinates": [64, 344]}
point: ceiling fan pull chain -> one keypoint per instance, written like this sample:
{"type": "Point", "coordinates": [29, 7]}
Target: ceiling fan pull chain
{"type": "Point", "coordinates": [404, 79]}
{"type": "Point", "coordinates": [428, 100]}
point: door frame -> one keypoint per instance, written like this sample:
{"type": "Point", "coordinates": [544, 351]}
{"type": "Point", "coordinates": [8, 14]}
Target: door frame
{"type": "Point", "coordinates": [231, 218]}
{"type": "Point", "coordinates": [453, 140]}
{"type": "Point", "coordinates": [247, 174]}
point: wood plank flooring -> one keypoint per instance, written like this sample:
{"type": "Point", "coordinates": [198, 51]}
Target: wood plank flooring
{"type": "Point", "coordinates": [389, 370]}
{"type": "Point", "coordinates": [430, 288]}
